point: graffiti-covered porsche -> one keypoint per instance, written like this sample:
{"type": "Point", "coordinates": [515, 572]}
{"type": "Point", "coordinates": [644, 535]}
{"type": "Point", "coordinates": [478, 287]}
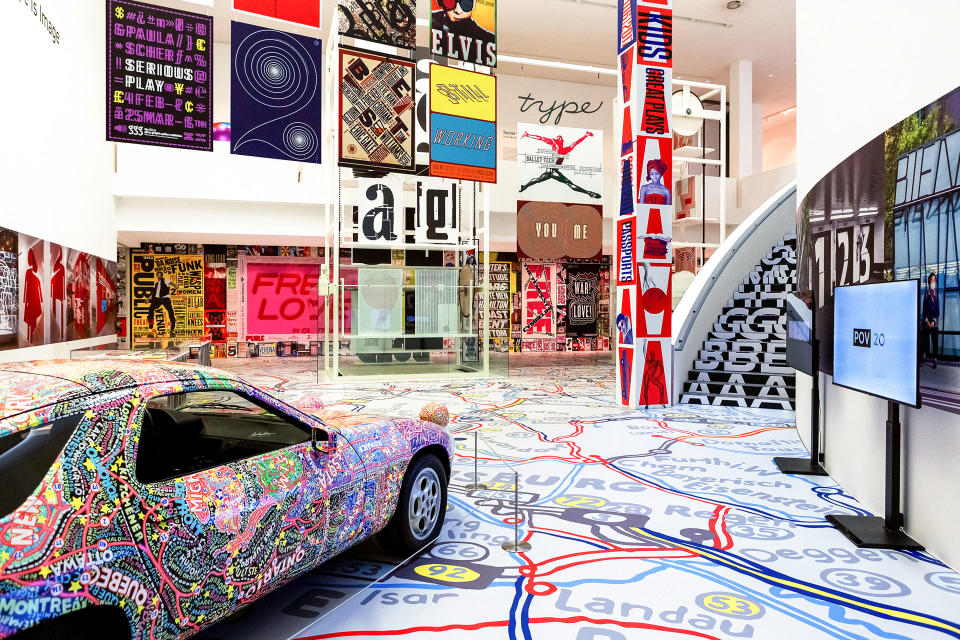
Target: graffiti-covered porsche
{"type": "Point", "coordinates": [149, 500]}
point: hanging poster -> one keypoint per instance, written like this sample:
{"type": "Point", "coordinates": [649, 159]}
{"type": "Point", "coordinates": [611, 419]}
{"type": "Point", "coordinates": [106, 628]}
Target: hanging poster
{"type": "Point", "coordinates": [275, 94]}
{"type": "Point", "coordinates": [422, 116]}
{"type": "Point", "coordinates": [80, 306]}
{"type": "Point", "coordinates": [215, 296]}
{"type": "Point", "coordinates": [464, 30]}
{"type": "Point", "coordinates": [627, 24]}
{"type": "Point", "coordinates": [389, 22]}
{"type": "Point", "coordinates": [167, 298]}
{"type": "Point", "coordinates": [559, 164]}
{"type": "Point", "coordinates": [376, 111]}
{"type": "Point", "coordinates": [159, 76]}
{"type": "Point", "coordinates": [556, 230]}
{"type": "Point", "coordinates": [436, 211]}
{"type": "Point", "coordinates": [279, 299]}
{"type": "Point", "coordinates": [463, 124]}
{"type": "Point", "coordinates": [626, 242]}
{"type": "Point", "coordinates": [34, 291]}
{"type": "Point", "coordinates": [380, 301]}
{"type": "Point", "coordinates": [9, 290]}
{"type": "Point", "coordinates": [105, 307]}
{"type": "Point", "coordinates": [583, 299]}
{"type": "Point", "coordinates": [654, 172]}
{"type": "Point", "coordinates": [539, 291]}
{"type": "Point", "coordinates": [499, 313]}
{"type": "Point", "coordinates": [380, 210]}
{"type": "Point", "coordinates": [300, 11]}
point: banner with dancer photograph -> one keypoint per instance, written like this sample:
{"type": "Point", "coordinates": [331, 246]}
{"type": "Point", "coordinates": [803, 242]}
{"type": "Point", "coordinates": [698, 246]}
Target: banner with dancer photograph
{"type": "Point", "coordinates": [167, 303]}
{"type": "Point", "coordinates": [559, 164]}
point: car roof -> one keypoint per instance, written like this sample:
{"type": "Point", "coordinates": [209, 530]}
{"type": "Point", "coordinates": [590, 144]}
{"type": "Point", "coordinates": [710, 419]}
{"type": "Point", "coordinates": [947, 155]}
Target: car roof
{"type": "Point", "coordinates": [25, 386]}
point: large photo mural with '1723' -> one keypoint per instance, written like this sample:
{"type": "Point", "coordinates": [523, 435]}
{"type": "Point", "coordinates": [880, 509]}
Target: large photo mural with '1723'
{"type": "Point", "coordinates": [891, 211]}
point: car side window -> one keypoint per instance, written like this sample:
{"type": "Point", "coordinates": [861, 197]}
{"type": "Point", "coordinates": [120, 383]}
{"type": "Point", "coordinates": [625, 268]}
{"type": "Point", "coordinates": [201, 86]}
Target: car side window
{"type": "Point", "coordinates": [26, 456]}
{"type": "Point", "coordinates": [192, 431]}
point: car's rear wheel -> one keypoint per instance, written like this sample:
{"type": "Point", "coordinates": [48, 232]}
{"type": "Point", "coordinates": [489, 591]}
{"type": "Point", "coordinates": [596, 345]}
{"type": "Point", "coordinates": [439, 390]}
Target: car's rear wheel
{"type": "Point", "coordinates": [420, 509]}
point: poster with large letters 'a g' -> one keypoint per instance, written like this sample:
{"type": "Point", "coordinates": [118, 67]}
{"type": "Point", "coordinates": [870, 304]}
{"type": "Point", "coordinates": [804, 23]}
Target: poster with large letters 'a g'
{"type": "Point", "coordinates": [376, 111]}
{"type": "Point", "coordinates": [159, 76]}
{"type": "Point", "coordinates": [464, 30]}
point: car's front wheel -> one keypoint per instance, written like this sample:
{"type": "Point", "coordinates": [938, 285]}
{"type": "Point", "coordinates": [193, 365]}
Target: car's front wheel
{"type": "Point", "coordinates": [420, 509]}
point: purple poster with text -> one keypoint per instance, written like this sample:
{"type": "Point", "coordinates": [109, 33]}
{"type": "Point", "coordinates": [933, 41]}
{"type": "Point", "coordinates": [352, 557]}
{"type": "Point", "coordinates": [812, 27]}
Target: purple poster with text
{"type": "Point", "coordinates": [159, 76]}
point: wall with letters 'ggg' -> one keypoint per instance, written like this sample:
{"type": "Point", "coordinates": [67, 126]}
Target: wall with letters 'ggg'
{"type": "Point", "coordinates": [855, 83]}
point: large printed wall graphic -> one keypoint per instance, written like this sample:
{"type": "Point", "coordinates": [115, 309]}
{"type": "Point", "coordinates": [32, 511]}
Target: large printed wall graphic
{"type": "Point", "coordinates": [464, 30]}
{"type": "Point", "coordinates": [583, 300]}
{"type": "Point", "coordinates": [891, 211]}
{"type": "Point", "coordinates": [167, 303]}
{"type": "Point", "coordinates": [644, 227]}
{"type": "Point", "coordinates": [300, 11]}
{"type": "Point", "coordinates": [499, 312]}
{"type": "Point", "coordinates": [159, 76]}
{"type": "Point", "coordinates": [376, 111]}
{"type": "Point", "coordinates": [389, 22]}
{"type": "Point", "coordinates": [34, 281]}
{"type": "Point", "coordinates": [275, 94]}
{"type": "Point", "coordinates": [279, 299]}
{"type": "Point", "coordinates": [463, 124]}
{"type": "Point", "coordinates": [559, 164]}
{"type": "Point", "coordinates": [555, 230]}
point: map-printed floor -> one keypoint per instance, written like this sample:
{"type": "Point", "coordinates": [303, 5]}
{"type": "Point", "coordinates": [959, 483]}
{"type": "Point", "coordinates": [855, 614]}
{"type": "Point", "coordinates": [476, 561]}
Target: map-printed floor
{"type": "Point", "coordinates": [647, 524]}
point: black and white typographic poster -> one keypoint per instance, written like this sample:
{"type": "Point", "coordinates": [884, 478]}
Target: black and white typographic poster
{"type": "Point", "coordinates": [559, 164]}
{"type": "Point", "coordinates": [436, 211]}
{"type": "Point", "coordinates": [380, 203]}
{"type": "Point", "coordinates": [275, 97]}
{"type": "Point", "coordinates": [376, 111]}
{"type": "Point", "coordinates": [583, 299]}
{"type": "Point", "coordinates": [389, 22]}
{"type": "Point", "coordinates": [159, 76]}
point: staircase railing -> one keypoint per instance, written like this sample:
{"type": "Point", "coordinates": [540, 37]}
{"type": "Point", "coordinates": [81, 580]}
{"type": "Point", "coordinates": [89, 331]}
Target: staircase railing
{"type": "Point", "coordinates": [724, 271]}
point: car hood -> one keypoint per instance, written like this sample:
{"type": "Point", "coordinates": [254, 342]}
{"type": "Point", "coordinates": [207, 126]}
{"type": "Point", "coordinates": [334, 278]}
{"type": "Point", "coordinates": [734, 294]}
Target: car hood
{"type": "Point", "coordinates": [365, 429]}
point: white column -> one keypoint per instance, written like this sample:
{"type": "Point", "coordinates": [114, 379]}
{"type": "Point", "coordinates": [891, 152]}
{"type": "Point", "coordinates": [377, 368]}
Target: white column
{"type": "Point", "coordinates": [741, 119]}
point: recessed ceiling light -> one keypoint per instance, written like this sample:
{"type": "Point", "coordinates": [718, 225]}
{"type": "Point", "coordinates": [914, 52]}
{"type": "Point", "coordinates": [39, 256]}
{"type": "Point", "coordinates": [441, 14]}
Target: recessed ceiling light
{"type": "Point", "coordinates": [734, 4]}
{"type": "Point", "coordinates": [770, 76]}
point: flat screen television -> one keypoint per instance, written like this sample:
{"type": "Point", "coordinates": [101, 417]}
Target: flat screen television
{"type": "Point", "coordinates": [876, 339]}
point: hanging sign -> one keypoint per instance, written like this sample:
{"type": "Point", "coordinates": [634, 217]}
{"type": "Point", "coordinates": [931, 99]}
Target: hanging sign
{"type": "Point", "coordinates": [436, 211]}
{"type": "Point", "coordinates": [463, 124]}
{"type": "Point", "coordinates": [159, 76]}
{"type": "Point", "coordinates": [380, 210]}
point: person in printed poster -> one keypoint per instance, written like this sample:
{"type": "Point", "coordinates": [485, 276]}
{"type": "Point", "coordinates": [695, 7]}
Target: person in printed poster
{"type": "Point", "coordinates": [160, 299]}
{"type": "Point", "coordinates": [456, 17]}
{"type": "Point", "coordinates": [554, 173]}
{"type": "Point", "coordinates": [654, 191]}
{"type": "Point", "coordinates": [32, 295]}
{"type": "Point", "coordinates": [58, 294]}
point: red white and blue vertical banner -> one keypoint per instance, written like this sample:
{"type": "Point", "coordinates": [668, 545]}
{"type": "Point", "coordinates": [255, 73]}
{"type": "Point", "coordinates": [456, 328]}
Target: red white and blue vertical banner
{"type": "Point", "coordinates": [645, 223]}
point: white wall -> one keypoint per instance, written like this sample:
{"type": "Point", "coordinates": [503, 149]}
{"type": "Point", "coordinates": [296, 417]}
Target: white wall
{"type": "Point", "coordinates": [859, 70]}
{"type": "Point", "coordinates": [780, 144]}
{"type": "Point", "coordinates": [56, 164]}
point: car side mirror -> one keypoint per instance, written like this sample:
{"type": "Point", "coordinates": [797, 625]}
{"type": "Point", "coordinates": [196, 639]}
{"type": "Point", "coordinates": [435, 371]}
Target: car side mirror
{"type": "Point", "coordinates": [323, 440]}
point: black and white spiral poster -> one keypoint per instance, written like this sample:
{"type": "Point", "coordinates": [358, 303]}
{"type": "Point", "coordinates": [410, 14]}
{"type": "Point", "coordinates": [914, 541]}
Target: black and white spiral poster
{"type": "Point", "coordinates": [275, 99]}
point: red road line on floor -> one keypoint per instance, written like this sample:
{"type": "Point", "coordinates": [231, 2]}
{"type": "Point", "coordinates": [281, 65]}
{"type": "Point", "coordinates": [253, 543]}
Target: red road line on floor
{"type": "Point", "coordinates": [503, 623]}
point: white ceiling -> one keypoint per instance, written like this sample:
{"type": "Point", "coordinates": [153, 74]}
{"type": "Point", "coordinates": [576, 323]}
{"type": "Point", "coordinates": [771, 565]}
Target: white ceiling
{"type": "Point", "coordinates": [708, 38]}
